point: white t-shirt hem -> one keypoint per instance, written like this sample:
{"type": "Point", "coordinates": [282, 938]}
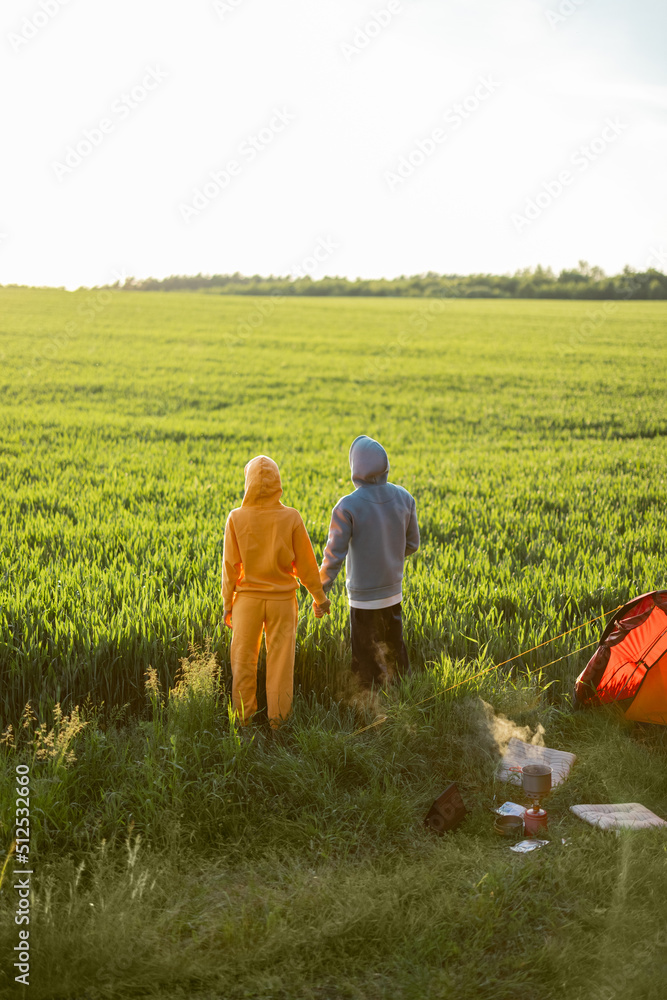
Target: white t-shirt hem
{"type": "Point", "coordinates": [384, 602]}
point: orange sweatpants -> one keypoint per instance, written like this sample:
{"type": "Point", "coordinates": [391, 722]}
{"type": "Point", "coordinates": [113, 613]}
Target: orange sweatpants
{"type": "Point", "coordinates": [278, 619]}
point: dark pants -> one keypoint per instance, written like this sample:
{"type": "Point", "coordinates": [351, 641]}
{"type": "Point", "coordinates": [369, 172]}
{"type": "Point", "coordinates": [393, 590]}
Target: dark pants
{"type": "Point", "coordinates": [378, 650]}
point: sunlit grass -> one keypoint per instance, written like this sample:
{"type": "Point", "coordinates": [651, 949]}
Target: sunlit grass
{"type": "Point", "coordinates": [173, 857]}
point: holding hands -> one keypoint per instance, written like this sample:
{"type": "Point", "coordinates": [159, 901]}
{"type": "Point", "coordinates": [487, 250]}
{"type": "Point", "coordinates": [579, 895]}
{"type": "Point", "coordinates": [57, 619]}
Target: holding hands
{"type": "Point", "coordinates": [320, 611]}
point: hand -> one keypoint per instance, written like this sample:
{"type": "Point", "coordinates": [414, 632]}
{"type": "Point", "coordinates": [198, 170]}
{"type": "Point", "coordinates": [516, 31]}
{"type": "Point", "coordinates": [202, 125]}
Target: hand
{"type": "Point", "coordinates": [228, 618]}
{"type": "Point", "coordinates": [322, 609]}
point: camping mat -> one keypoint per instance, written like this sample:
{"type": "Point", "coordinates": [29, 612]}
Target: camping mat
{"type": "Point", "coordinates": [519, 753]}
{"type": "Point", "coordinates": [623, 814]}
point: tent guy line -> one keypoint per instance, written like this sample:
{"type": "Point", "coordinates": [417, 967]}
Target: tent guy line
{"type": "Point", "coordinates": [496, 666]}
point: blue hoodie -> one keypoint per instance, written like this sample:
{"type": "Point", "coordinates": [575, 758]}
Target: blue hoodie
{"type": "Point", "coordinates": [373, 529]}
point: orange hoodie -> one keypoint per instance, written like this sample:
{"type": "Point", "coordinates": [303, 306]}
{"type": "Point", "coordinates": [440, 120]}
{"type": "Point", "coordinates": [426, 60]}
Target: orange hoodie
{"type": "Point", "coordinates": [266, 543]}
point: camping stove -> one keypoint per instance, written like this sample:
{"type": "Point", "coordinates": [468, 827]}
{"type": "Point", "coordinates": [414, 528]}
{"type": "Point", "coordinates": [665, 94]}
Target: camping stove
{"type": "Point", "coordinates": [536, 781]}
{"type": "Point", "coordinates": [534, 821]}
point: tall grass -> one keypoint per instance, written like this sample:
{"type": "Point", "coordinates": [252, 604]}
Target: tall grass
{"type": "Point", "coordinates": [536, 456]}
{"type": "Point", "coordinates": [173, 858]}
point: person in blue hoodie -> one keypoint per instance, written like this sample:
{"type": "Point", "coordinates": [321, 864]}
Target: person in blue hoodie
{"type": "Point", "coordinates": [372, 530]}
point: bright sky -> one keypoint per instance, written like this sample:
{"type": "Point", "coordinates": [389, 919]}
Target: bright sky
{"type": "Point", "coordinates": [392, 137]}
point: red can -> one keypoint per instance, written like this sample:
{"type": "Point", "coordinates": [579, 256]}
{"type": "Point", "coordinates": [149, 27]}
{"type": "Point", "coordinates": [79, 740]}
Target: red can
{"type": "Point", "coordinates": [535, 821]}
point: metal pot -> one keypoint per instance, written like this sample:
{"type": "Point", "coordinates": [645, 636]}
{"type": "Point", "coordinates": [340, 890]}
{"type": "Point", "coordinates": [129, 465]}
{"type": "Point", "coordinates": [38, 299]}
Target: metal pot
{"type": "Point", "coordinates": [536, 780]}
{"type": "Point", "coordinates": [508, 826]}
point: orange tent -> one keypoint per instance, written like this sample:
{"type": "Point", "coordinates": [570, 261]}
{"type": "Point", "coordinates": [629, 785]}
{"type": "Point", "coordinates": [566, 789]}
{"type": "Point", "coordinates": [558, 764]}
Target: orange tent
{"type": "Point", "coordinates": [630, 664]}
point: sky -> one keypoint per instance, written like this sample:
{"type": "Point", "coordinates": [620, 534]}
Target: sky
{"type": "Point", "coordinates": [155, 137]}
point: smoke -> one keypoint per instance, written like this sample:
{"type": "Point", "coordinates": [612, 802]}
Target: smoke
{"type": "Point", "coordinates": [367, 702]}
{"type": "Point", "coordinates": [495, 730]}
{"type": "Point", "coordinates": [384, 660]}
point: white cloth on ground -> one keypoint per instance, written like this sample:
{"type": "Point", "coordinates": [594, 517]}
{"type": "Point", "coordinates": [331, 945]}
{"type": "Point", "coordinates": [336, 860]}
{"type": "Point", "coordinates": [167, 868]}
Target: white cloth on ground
{"type": "Point", "coordinates": [518, 754]}
{"type": "Point", "coordinates": [630, 815]}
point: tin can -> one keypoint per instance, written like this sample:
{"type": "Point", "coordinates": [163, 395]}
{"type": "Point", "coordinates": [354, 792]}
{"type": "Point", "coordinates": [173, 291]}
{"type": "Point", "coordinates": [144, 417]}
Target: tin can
{"type": "Point", "coordinates": [535, 821]}
{"type": "Point", "coordinates": [508, 826]}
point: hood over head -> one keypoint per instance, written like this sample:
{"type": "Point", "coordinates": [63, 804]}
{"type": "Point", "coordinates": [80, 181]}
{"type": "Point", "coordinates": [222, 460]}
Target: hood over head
{"type": "Point", "coordinates": [262, 482]}
{"type": "Point", "coordinates": [368, 462]}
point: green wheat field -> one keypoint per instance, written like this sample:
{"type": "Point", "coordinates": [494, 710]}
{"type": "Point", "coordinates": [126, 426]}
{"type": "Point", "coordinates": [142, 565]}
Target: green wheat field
{"type": "Point", "coordinates": [171, 859]}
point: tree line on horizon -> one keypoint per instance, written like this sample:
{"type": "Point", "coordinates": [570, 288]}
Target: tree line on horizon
{"type": "Point", "coordinates": [583, 282]}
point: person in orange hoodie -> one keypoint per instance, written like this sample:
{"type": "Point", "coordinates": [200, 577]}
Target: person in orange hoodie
{"type": "Point", "coordinates": [267, 550]}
